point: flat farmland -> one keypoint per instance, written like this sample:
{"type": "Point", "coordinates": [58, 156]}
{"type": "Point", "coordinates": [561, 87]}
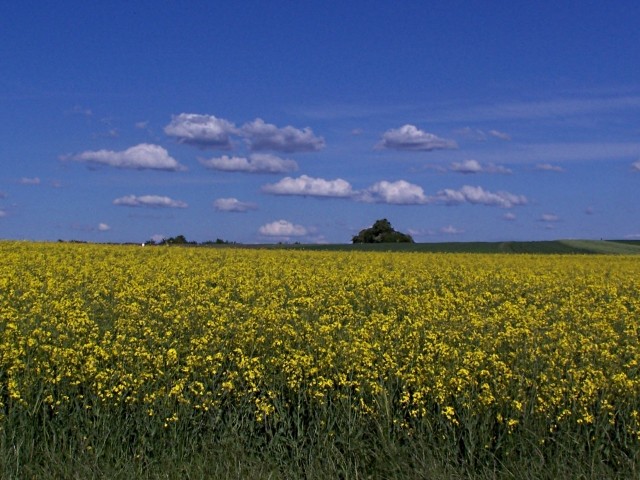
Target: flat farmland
{"type": "Point", "coordinates": [163, 362]}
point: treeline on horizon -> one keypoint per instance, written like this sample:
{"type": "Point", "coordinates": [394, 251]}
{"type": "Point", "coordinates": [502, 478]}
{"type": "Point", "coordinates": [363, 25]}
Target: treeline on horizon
{"type": "Point", "coordinates": [620, 246]}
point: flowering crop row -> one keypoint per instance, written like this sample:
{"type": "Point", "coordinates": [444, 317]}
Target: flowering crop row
{"type": "Point", "coordinates": [516, 343]}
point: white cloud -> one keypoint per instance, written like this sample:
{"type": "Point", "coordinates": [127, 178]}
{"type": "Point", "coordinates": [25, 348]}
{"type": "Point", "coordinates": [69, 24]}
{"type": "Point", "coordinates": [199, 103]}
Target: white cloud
{"type": "Point", "coordinates": [256, 163]}
{"type": "Point", "coordinates": [549, 217]}
{"type": "Point", "coordinates": [265, 136]}
{"type": "Point", "coordinates": [499, 134]}
{"type": "Point", "coordinates": [635, 166]}
{"type": "Point", "coordinates": [305, 185]}
{"type": "Point", "coordinates": [103, 227]}
{"type": "Point", "coordinates": [400, 192]}
{"type": "Point", "coordinates": [233, 205]}
{"type": "Point", "coordinates": [140, 157]}
{"type": "Point", "coordinates": [204, 131]}
{"type": "Point", "coordinates": [420, 232]}
{"type": "Point", "coordinates": [549, 168]}
{"type": "Point", "coordinates": [30, 181]}
{"type": "Point", "coordinates": [509, 216]}
{"type": "Point", "coordinates": [466, 166]}
{"type": "Point", "coordinates": [282, 228]}
{"type": "Point", "coordinates": [155, 201]}
{"type": "Point", "coordinates": [478, 196]}
{"type": "Point", "coordinates": [451, 230]}
{"type": "Point", "coordinates": [409, 137]}
{"type": "Point", "coordinates": [473, 166]}
{"type": "Point", "coordinates": [2, 213]}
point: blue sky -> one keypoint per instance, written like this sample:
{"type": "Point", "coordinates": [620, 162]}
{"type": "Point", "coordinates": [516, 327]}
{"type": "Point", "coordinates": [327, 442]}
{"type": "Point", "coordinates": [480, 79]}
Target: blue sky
{"type": "Point", "coordinates": [261, 122]}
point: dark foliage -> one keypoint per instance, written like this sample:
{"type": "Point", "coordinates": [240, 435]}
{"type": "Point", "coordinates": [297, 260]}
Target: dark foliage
{"type": "Point", "coordinates": [381, 232]}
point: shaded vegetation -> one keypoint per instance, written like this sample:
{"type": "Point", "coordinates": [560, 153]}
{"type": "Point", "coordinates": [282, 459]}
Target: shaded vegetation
{"type": "Point", "coordinates": [381, 232]}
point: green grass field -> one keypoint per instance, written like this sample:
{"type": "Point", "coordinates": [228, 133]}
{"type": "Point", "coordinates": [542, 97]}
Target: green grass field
{"type": "Point", "coordinates": [612, 247]}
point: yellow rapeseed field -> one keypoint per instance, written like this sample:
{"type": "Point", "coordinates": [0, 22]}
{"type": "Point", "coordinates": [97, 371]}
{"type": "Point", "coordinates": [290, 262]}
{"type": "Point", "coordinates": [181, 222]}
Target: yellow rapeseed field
{"type": "Point", "coordinates": [516, 343]}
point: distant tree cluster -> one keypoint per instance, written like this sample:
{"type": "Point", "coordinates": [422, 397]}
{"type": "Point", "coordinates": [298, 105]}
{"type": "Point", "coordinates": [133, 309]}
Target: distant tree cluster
{"type": "Point", "coordinates": [181, 240]}
{"type": "Point", "coordinates": [381, 232]}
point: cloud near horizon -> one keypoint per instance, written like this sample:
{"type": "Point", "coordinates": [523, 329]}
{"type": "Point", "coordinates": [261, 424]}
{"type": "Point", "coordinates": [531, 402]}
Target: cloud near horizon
{"type": "Point", "coordinates": [153, 201]}
{"type": "Point", "coordinates": [144, 156]}
{"type": "Point", "coordinates": [451, 230]}
{"type": "Point", "coordinates": [410, 138]}
{"type": "Point", "coordinates": [282, 228]}
{"type": "Point", "coordinates": [256, 163]}
{"type": "Point", "coordinates": [233, 205]}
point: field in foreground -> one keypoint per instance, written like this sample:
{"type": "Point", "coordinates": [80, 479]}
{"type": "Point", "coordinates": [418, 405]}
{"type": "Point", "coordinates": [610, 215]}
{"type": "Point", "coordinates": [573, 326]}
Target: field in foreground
{"type": "Point", "coordinates": [120, 362]}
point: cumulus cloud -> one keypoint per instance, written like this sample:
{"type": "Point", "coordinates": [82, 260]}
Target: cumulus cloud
{"type": "Point", "coordinates": [141, 157]}
{"type": "Point", "coordinates": [154, 201]}
{"type": "Point", "coordinates": [400, 192]}
{"type": "Point", "coordinates": [315, 187]}
{"type": "Point", "coordinates": [635, 166]}
{"type": "Point", "coordinates": [203, 131]}
{"type": "Point", "coordinates": [30, 181]}
{"type": "Point", "coordinates": [265, 136]}
{"type": "Point", "coordinates": [547, 167]}
{"type": "Point", "coordinates": [473, 166]}
{"type": "Point", "coordinates": [409, 137]}
{"type": "Point", "coordinates": [478, 196]}
{"type": "Point", "coordinates": [256, 163]}
{"type": "Point", "coordinates": [233, 205]}
{"type": "Point", "coordinates": [282, 228]}
{"type": "Point", "coordinates": [103, 227]}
